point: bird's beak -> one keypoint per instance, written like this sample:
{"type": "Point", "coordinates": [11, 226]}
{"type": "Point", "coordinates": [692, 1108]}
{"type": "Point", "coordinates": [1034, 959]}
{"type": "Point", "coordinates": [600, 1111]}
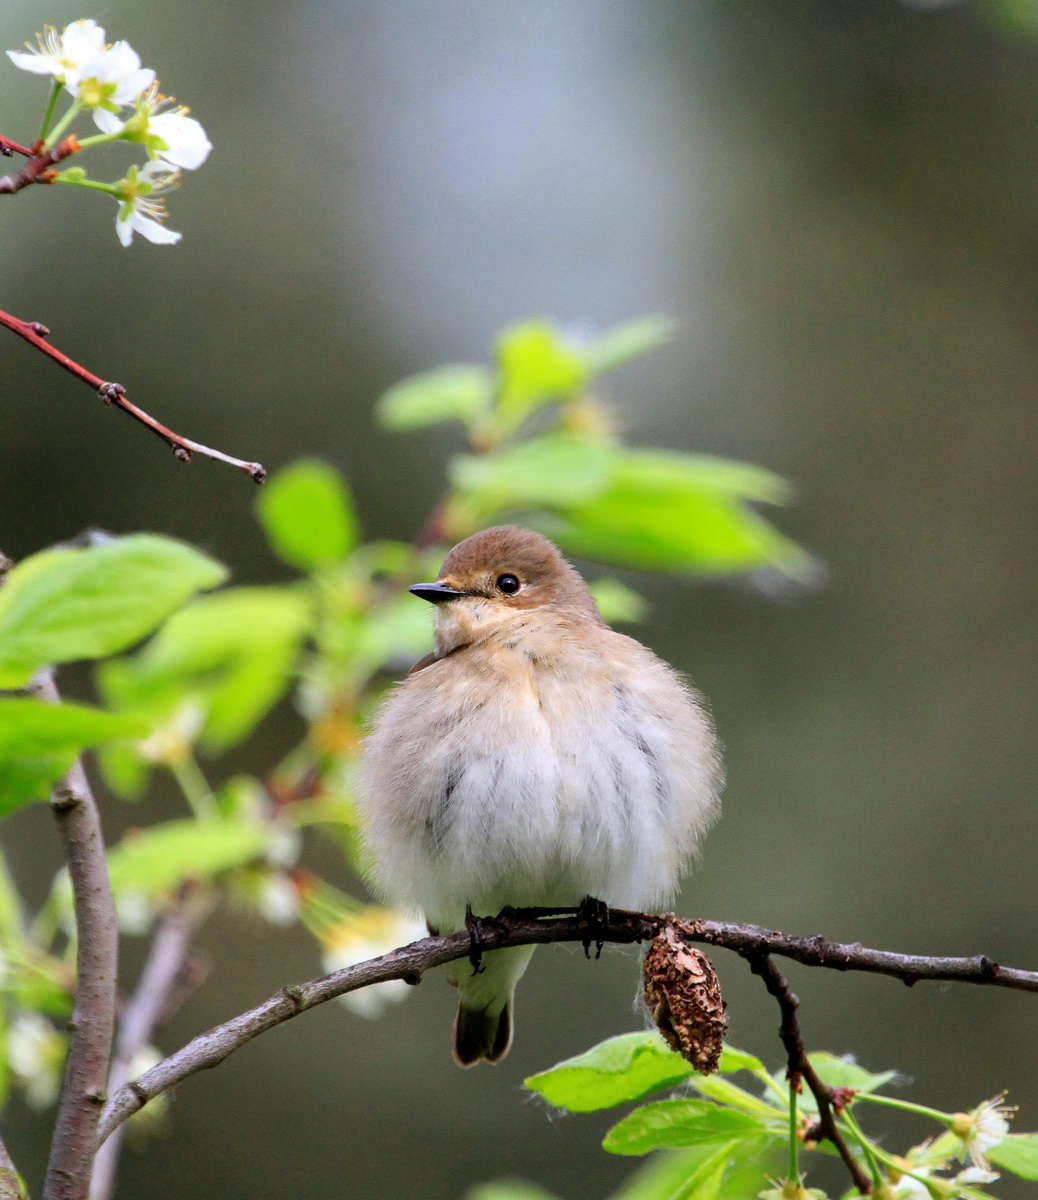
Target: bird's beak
{"type": "Point", "coordinates": [436, 593]}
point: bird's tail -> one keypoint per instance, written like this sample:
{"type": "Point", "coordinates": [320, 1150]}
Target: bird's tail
{"type": "Point", "coordinates": [483, 1025]}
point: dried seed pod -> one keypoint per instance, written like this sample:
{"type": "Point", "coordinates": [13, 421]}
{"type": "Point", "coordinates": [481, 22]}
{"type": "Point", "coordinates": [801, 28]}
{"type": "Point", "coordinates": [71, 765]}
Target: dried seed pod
{"type": "Point", "coordinates": [684, 998]}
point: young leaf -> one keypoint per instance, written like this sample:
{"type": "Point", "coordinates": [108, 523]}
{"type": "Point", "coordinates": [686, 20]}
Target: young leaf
{"type": "Point", "coordinates": [621, 1068]}
{"type": "Point", "coordinates": [69, 604]}
{"type": "Point", "coordinates": [38, 742]}
{"type": "Point", "coordinates": [676, 512]}
{"type": "Point", "coordinates": [629, 340]}
{"type": "Point", "coordinates": [845, 1072]}
{"type": "Point", "coordinates": [556, 469]}
{"type": "Point", "coordinates": [157, 859]}
{"type": "Point", "coordinates": [308, 515]}
{"type": "Point", "coordinates": [1017, 1153]}
{"type": "Point", "coordinates": [508, 1189]}
{"type": "Point", "coordinates": [461, 393]}
{"type": "Point", "coordinates": [232, 653]}
{"type": "Point", "coordinates": [733, 1060]}
{"type": "Point", "coordinates": [618, 603]}
{"type": "Point", "coordinates": [537, 366]}
{"type": "Point", "coordinates": [668, 1123]}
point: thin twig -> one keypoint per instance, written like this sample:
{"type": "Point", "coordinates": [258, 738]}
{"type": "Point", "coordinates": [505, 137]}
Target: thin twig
{"type": "Point", "coordinates": [7, 148]}
{"type": "Point", "coordinates": [411, 962]}
{"type": "Point", "coordinates": [114, 393]}
{"type": "Point", "coordinates": [83, 1088]}
{"type": "Point", "coordinates": [39, 168]}
{"type": "Point", "coordinates": [147, 1008]}
{"type": "Point", "coordinates": [798, 1065]}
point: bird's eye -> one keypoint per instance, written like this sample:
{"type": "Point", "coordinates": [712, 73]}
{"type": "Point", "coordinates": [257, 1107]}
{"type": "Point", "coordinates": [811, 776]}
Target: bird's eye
{"type": "Point", "coordinates": [508, 584]}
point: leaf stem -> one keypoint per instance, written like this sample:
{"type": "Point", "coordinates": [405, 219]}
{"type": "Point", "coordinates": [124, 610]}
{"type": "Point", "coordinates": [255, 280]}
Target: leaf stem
{"type": "Point", "coordinates": [195, 787]}
{"type": "Point", "coordinates": [794, 1141]}
{"type": "Point", "coordinates": [52, 102]}
{"type": "Point", "coordinates": [96, 184]}
{"type": "Point", "coordinates": [905, 1106]}
{"type": "Point", "coordinates": [99, 139]}
{"type": "Point", "coordinates": [55, 134]}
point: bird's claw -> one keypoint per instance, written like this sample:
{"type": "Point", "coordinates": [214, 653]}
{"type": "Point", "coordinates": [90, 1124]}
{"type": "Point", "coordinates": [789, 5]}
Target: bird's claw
{"type": "Point", "coordinates": [593, 915]}
{"type": "Point", "coordinates": [474, 925]}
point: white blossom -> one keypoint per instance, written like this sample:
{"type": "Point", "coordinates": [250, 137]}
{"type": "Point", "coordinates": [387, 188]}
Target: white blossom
{"type": "Point", "coordinates": [35, 1053]}
{"type": "Point", "coordinates": [278, 899]}
{"type": "Point", "coordinates": [163, 127]}
{"type": "Point", "coordinates": [113, 77]}
{"type": "Point", "coordinates": [372, 932]}
{"type": "Point", "coordinates": [142, 207]}
{"type": "Point", "coordinates": [981, 1130]}
{"type": "Point", "coordinates": [61, 54]}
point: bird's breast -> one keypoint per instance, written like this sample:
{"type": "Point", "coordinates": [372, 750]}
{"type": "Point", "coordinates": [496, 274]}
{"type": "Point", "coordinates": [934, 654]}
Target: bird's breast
{"type": "Point", "coordinates": [536, 770]}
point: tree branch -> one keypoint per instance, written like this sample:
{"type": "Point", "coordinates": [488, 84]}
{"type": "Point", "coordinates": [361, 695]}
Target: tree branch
{"type": "Point", "coordinates": [147, 1009]}
{"type": "Point", "coordinates": [39, 167]}
{"type": "Point", "coordinates": [411, 962]}
{"type": "Point", "coordinates": [10, 1185]}
{"type": "Point", "coordinates": [114, 393]}
{"type": "Point", "coordinates": [7, 148]}
{"type": "Point", "coordinates": [799, 1065]}
{"type": "Point", "coordinates": [97, 948]}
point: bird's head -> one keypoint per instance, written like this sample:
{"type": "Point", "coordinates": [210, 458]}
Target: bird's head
{"type": "Point", "coordinates": [495, 575]}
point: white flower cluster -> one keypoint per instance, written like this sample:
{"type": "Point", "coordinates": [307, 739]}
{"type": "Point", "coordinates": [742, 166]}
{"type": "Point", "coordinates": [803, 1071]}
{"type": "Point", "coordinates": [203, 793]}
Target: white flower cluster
{"type": "Point", "coordinates": [127, 106]}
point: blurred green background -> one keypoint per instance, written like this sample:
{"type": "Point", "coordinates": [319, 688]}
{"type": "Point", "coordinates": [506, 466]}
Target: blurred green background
{"type": "Point", "coordinates": [839, 201]}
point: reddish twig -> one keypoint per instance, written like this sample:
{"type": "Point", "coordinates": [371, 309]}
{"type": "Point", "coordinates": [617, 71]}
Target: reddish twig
{"type": "Point", "coordinates": [83, 1089]}
{"type": "Point", "coordinates": [39, 168]}
{"type": "Point", "coordinates": [114, 393]}
{"type": "Point", "coordinates": [798, 1065]}
{"type": "Point", "coordinates": [411, 962]}
{"type": "Point", "coordinates": [7, 148]}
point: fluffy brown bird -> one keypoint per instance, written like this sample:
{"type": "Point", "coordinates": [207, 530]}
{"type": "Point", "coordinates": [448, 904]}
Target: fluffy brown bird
{"type": "Point", "coordinates": [535, 758]}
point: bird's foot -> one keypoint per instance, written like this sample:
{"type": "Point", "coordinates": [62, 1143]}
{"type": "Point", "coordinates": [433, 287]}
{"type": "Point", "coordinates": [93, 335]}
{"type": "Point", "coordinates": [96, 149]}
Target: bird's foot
{"type": "Point", "coordinates": [593, 916]}
{"type": "Point", "coordinates": [477, 927]}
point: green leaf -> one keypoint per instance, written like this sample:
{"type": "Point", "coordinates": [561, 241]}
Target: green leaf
{"type": "Point", "coordinates": [845, 1072]}
{"type": "Point", "coordinates": [396, 632]}
{"type": "Point", "coordinates": [671, 1123]}
{"type": "Point", "coordinates": [457, 392]}
{"type": "Point", "coordinates": [689, 1173]}
{"type": "Point", "coordinates": [155, 860]}
{"type": "Point", "coordinates": [629, 340]}
{"type": "Point", "coordinates": [233, 653]}
{"type": "Point", "coordinates": [619, 1069]}
{"type": "Point", "coordinates": [508, 1189]}
{"type": "Point", "coordinates": [69, 604]}
{"type": "Point", "coordinates": [537, 365]}
{"type": "Point", "coordinates": [617, 603]}
{"type": "Point", "coordinates": [1017, 1153]}
{"type": "Point", "coordinates": [733, 1060]}
{"type": "Point", "coordinates": [308, 515]}
{"type": "Point", "coordinates": [675, 512]}
{"type": "Point", "coordinates": [39, 741]}
{"type": "Point", "coordinates": [723, 1091]}
{"type": "Point", "coordinates": [556, 469]}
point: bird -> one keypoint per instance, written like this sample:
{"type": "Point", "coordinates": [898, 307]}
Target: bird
{"type": "Point", "coordinates": [536, 758]}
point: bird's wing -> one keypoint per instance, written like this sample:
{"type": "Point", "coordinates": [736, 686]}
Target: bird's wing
{"type": "Point", "coordinates": [426, 661]}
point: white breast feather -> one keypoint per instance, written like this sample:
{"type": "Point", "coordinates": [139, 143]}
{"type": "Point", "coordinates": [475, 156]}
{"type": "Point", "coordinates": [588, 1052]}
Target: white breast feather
{"type": "Point", "coordinates": [535, 769]}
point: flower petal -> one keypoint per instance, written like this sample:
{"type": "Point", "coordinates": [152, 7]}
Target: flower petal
{"type": "Point", "coordinates": [153, 231]}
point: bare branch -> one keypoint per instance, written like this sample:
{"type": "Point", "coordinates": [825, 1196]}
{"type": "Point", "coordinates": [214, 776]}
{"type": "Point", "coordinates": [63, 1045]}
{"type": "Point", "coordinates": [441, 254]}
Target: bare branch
{"type": "Point", "coordinates": [97, 947]}
{"type": "Point", "coordinates": [114, 393]}
{"type": "Point", "coordinates": [7, 148]}
{"type": "Point", "coordinates": [411, 962]}
{"type": "Point", "coordinates": [10, 1185]}
{"type": "Point", "coordinates": [799, 1065]}
{"type": "Point", "coordinates": [39, 168]}
{"type": "Point", "coordinates": [147, 1009]}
